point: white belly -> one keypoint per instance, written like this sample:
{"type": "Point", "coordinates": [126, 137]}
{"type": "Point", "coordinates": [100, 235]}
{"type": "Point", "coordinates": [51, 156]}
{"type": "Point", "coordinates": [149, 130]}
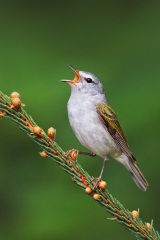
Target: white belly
{"type": "Point", "coordinates": [89, 130]}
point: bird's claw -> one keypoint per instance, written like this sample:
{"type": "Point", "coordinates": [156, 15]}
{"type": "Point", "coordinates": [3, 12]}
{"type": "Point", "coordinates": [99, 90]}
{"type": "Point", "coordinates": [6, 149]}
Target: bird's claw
{"type": "Point", "coordinates": [97, 181]}
{"type": "Point", "coordinates": [73, 153]}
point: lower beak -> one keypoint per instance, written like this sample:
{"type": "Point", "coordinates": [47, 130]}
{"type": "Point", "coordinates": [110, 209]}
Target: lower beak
{"type": "Point", "coordinates": [76, 78]}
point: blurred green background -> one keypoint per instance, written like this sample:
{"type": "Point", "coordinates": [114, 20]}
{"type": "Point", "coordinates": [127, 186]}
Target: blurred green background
{"type": "Point", "coordinates": [119, 41]}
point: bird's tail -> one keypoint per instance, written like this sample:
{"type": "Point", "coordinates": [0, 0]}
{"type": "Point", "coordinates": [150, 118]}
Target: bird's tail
{"type": "Point", "coordinates": [130, 164]}
{"type": "Point", "coordinates": [137, 176]}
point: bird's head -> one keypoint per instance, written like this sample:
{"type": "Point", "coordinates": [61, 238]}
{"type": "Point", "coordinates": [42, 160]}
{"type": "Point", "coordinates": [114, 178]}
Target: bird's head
{"type": "Point", "coordinates": [85, 82]}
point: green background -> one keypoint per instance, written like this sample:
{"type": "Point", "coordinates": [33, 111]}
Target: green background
{"type": "Point", "coordinates": [119, 41]}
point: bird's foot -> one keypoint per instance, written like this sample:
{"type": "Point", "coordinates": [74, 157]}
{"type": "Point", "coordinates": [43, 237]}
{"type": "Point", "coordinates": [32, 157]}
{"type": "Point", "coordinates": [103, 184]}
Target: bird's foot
{"type": "Point", "coordinates": [98, 180]}
{"type": "Point", "coordinates": [73, 153]}
{"type": "Point", "coordinates": [98, 184]}
{"type": "Point", "coordinates": [95, 182]}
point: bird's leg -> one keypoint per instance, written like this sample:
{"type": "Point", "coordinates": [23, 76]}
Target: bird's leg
{"type": "Point", "coordinates": [103, 166]}
{"type": "Point", "coordinates": [87, 154]}
{"type": "Point", "coordinates": [101, 173]}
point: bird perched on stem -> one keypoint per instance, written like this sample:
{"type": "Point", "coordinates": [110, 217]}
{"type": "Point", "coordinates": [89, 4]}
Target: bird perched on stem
{"type": "Point", "coordinates": [96, 125]}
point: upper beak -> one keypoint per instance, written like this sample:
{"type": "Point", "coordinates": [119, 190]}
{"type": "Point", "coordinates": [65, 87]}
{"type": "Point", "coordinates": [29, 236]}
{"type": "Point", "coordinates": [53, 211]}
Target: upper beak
{"type": "Point", "coordinates": [76, 78]}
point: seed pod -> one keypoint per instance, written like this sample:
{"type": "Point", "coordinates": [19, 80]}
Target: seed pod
{"type": "Point", "coordinates": [88, 190]}
{"type": "Point", "coordinates": [73, 154]}
{"type": "Point", "coordinates": [96, 196]}
{"type": "Point", "coordinates": [148, 225]}
{"type": "Point", "coordinates": [135, 214]}
{"type": "Point", "coordinates": [43, 154]}
{"type": "Point", "coordinates": [102, 185]}
{"type": "Point", "coordinates": [37, 130]}
{"type": "Point", "coordinates": [51, 132]}
{"type": "Point", "coordinates": [1, 114]}
{"type": "Point", "coordinates": [14, 95]}
{"type": "Point", "coordinates": [16, 103]}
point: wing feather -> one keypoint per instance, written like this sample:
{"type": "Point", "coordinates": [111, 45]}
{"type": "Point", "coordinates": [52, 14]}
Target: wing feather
{"type": "Point", "coordinates": [109, 119]}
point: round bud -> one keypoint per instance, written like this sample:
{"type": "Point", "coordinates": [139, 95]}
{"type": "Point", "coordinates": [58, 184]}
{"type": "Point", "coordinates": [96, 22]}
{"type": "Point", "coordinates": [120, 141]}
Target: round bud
{"type": "Point", "coordinates": [96, 196]}
{"type": "Point", "coordinates": [73, 180]}
{"type": "Point", "coordinates": [73, 155]}
{"type": "Point", "coordinates": [14, 95]}
{"type": "Point", "coordinates": [135, 214]}
{"type": "Point", "coordinates": [102, 184]}
{"type": "Point", "coordinates": [1, 114]}
{"type": "Point", "coordinates": [148, 225]}
{"type": "Point", "coordinates": [88, 190]}
{"type": "Point", "coordinates": [37, 130]}
{"type": "Point", "coordinates": [51, 132]}
{"type": "Point", "coordinates": [16, 102]}
{"type": "Point", "coordinates": [43, 154]}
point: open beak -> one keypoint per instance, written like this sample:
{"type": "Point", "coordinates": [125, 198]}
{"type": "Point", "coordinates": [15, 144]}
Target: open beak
{"type": "Point", "coordinates": [76, 79]}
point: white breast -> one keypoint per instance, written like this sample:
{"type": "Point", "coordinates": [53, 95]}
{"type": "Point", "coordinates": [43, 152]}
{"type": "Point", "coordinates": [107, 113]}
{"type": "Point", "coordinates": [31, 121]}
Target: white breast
{"type": "Point", "coordinates": [86, 124]}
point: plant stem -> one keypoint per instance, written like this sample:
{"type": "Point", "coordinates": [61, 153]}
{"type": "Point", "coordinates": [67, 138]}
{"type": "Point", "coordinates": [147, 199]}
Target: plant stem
{"type": "Point", "coordinates": [79, 176]}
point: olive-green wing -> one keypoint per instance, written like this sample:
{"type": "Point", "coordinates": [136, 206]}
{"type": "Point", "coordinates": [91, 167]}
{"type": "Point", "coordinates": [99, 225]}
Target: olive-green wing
{"type": "Point", "coordinates": [109, 119]}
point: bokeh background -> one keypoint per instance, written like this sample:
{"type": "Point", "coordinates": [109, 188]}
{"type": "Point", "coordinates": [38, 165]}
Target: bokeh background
{"type": "Point", "coordinates": [119, 41]}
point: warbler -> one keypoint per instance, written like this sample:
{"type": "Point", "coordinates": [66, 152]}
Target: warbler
{"type": "Point", "coordinates": [96, 126]}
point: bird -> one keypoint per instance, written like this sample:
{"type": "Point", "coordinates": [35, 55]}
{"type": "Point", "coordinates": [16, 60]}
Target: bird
{"type": "Point", "coordinates": [96, 126]}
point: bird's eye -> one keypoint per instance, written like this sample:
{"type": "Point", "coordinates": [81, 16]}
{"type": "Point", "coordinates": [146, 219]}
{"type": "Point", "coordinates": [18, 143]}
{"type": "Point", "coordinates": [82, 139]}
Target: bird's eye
{"type": "Point", "coordinates": [88, 80]}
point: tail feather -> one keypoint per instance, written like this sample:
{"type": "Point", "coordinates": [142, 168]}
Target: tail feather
{"type": "Point", "coordinates": [137, 176]}
{"type": "Point", "coordinates": [130, 164]}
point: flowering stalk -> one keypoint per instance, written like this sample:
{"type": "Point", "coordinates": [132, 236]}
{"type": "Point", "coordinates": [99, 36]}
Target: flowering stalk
{"type": "Point", "coordinates": [12, 108]}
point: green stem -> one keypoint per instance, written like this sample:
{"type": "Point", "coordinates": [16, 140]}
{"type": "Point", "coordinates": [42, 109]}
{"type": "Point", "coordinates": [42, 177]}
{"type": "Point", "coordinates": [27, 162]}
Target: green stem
{"type": "Point", "coordinates": [77, 173]}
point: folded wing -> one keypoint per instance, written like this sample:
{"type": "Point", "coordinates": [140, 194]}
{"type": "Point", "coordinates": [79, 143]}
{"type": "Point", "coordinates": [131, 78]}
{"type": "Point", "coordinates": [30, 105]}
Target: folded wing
{"type": "Point", "coordinates": [109, 119]}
